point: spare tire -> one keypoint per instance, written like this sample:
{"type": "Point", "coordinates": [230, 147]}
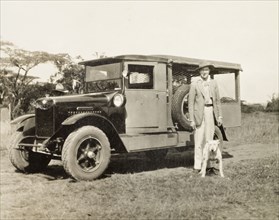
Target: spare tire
{"type": "Point", "coordinates": [179, 108]}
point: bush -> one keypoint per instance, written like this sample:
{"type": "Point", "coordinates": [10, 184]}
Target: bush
{"type": "Point", "coordinates": [249, 108]}
{"type": "Point", "coordinates": [273, 104]}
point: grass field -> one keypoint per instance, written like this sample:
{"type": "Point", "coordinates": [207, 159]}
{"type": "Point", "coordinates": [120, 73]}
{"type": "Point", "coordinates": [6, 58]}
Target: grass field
{"type": "Point", "coordinates": [257, 127]}
{"type": "Point", "coordinates": [134, 188]}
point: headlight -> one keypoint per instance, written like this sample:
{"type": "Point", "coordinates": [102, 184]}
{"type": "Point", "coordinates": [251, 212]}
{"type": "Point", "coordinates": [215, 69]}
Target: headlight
{"type": "Point", "coordinates": [118, 100]}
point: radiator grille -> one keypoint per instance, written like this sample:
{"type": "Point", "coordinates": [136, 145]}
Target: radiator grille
{"type": "Point", "coordinates": [45, 122]}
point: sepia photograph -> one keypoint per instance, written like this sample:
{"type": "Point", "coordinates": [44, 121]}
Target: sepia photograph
{"type": "Point", "coordinates": [139, 110]}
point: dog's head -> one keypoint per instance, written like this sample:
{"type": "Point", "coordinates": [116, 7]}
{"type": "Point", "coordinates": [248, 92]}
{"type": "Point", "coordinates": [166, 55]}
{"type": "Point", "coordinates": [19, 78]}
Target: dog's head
{"type": "Point", "coordinates": [213, 145]}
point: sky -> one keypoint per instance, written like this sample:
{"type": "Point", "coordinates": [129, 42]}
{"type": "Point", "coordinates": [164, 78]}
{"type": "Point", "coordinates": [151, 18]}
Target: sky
{"type": "Point", "coordinates": [244, 32]}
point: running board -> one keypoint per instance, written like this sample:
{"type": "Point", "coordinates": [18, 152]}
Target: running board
{"type": "Point", "coordinates": [154, 141]}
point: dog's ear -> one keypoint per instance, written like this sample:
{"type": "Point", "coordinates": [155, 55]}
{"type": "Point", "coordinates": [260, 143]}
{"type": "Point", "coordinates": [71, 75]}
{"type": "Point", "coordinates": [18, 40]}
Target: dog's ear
{"type": "Point", "coordinates": [218, 141]}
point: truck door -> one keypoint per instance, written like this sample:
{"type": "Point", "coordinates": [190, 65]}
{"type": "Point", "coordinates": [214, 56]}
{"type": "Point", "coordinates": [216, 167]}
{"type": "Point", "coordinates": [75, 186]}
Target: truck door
{"type": "Point", "coordinates": [228, 83]}
{"type": "Point", "coordinates": [146, 98]}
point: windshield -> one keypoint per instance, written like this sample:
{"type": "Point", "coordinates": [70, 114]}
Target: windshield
{"type": "Point", "coordinates": [103, 78]}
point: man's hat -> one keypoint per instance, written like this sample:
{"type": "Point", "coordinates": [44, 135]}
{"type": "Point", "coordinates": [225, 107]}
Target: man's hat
{"type": "Point", "coordinates": [60, 88]}
{"type": "Point", "coordinates": [203, 65]}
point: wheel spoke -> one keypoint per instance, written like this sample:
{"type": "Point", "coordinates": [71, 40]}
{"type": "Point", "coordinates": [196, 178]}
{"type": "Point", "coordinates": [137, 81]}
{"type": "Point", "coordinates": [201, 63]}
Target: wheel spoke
{"type": "Point", "coordinates": [91, 163]}
{"type": "Point", "coordinates": [86, 164]}
{"type": "Point", "coordinates": [87, 147]}
{"type": "Point", "coordinates": [96, 148]}
{"type": "Point", "coordinates": [81, 157]}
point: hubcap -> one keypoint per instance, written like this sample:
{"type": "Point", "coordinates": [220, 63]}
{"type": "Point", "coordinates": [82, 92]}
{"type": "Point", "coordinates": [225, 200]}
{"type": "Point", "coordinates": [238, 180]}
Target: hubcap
{"type": "Point", "coordinates": [89, 154]}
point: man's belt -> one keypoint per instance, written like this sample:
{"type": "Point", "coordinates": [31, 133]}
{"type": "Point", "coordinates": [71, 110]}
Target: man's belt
{"type": "Point", "coordinates": [208, 105]}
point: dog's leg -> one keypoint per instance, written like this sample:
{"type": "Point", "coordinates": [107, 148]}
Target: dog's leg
{"type": "Point", "coordinates": [220, 163]}
{"type": "Point", "coordinates": [204, 165]}
{"type": "Point", "coordinates": [204, 160]}
{"type": "Point", "coordinates": [221, 168]}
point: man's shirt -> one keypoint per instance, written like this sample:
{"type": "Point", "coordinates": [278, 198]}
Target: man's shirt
{"type": "Point", "coordinates": [206, 86]}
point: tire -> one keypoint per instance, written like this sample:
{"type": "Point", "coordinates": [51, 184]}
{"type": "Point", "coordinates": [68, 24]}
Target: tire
{"type": "Point", "coordinates": [23, 159]}
{"type": "Point", "coordinates": [86, 153]}
{"type": "Point", "coordinates": [156, 155]}
{"type": "Point", "coordinates": [179, 108]}
{"type": "Point", "coordinates": [218, 136]}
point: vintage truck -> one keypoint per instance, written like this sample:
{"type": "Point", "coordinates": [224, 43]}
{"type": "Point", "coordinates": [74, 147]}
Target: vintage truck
{"type": "Point", "coordinates": [129, 103]}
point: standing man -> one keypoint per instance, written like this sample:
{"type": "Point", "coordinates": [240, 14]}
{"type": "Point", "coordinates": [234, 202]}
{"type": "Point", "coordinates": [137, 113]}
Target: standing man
{"type": "Point", "coordinates": [204, 106]}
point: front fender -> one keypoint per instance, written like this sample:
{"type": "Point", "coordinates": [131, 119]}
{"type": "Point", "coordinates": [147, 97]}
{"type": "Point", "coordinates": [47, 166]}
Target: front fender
{"type": "Point", "coordinates": [22, 118]}
{"type": "Point", "coordinates": [76, 121]}
{"type": "Point", "coordinates": [25, 124]}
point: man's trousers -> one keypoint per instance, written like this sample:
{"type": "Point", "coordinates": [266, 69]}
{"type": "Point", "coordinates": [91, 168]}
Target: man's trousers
{"type": "Point", "coordinates": [203, 133]}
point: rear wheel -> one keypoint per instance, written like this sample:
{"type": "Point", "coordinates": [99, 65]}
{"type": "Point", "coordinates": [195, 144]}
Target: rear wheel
{"type": "Point", "coordinates": [24, 159]}
{"type": "Point", "coordinates": [86, 153]}
{"type": "Point", "coordinates": [180, 111]}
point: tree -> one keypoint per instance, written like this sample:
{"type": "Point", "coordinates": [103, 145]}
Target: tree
{"type": "Point", "coordinates": [15, 66]}
{"type": "Point", "coordinates": [5, 83]}
{"type": "Point", "coordinates": [71, 75]}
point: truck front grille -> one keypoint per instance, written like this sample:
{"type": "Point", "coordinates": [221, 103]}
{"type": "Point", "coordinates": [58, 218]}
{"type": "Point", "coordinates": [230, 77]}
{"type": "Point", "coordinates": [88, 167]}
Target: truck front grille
{"type": "Point", "coordinates": [45, 125]}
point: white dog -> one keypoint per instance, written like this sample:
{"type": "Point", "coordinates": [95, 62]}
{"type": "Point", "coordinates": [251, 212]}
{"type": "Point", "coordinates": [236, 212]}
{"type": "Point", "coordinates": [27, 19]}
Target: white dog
{"type": "Point", "coordinates": [212, 151]}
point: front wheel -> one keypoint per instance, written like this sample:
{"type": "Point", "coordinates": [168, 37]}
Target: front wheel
{"type": "Point", "coordinates": [86, 153]}
{"type": "Point", "coordinates": [24, 159]}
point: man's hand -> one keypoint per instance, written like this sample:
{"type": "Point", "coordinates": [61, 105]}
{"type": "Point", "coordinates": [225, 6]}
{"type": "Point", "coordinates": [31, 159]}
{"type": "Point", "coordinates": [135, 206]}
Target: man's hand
{"type": "Point", "coordinates": [193, 125]}
{"type": "Point", "coordinates": [219, 122]}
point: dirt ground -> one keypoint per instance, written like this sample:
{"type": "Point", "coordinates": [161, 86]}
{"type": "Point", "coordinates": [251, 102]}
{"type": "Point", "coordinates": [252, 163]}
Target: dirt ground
{"type": "Point", "coordinates": [18, 203]}
{"type": "Point", "coordinates": [250, 151]}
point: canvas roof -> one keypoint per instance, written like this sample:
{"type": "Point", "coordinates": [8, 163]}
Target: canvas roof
{"type": "Point", "coordinates": [162, 59]}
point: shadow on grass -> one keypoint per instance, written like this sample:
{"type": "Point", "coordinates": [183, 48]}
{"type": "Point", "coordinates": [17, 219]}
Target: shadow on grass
{"type": "Point", "coordinates": [134, 163]}
{"type": "Point", "coordinates": [55, 172]}
{"type": "Point", "coordinates": [138, 162]}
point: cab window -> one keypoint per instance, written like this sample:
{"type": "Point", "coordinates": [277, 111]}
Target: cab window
{"type": "Point", "coordinates": [140, 77]}
{"type": "Point", "coordinates": [226, 84]}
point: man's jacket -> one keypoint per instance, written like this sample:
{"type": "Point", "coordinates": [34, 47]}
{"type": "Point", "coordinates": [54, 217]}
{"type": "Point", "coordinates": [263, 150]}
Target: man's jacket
{"type": "Point", "coordinates": [196, 101]}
